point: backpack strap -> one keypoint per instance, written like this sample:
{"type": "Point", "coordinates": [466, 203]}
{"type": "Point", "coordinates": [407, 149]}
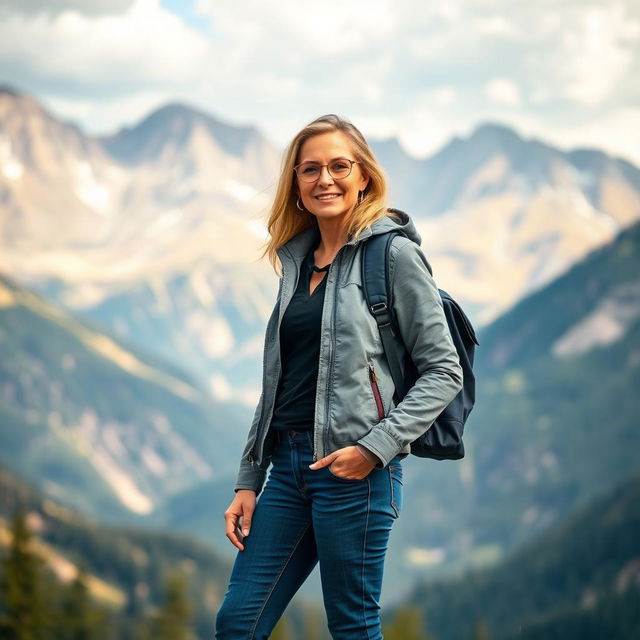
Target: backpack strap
{"type": "Point", "coordinates": [375, 282]}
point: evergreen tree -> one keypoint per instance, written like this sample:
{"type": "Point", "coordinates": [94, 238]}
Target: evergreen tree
{"type": "Point", "coordinates": [407, 624]}
{"type": "Point", "coordinates": [21, 587]}
{"type": "Point", "coordinates": [172, 621]}
{"type": "Point", "coordinates": [78, 619]}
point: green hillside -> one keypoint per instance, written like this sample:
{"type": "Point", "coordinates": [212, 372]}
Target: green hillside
{"type": "Point", "coordinates": [78, 409]}
{"type": "Point", "coordinates": [551, 429]}
{"type": "Point", "coordinates": [578, 581]}
{"type": "Point", "coordinates": [527, 332]}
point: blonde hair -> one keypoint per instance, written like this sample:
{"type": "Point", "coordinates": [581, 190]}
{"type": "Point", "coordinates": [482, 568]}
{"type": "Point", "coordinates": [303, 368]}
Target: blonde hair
{"type": "Point", "coordinates": [286, 220]}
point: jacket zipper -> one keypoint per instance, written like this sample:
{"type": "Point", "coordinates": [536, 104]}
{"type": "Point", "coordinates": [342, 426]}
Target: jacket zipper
{"type": "Point", "coordinates": [332, 339]}
{"type": "Point", "coordinates": [376, 391]}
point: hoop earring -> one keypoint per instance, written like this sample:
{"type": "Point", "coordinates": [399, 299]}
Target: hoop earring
{"type": "Point", "coordinates": [298, 204]}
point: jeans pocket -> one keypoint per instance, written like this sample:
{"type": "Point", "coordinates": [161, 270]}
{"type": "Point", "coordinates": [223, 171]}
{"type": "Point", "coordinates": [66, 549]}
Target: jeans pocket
{"type": "Point", "coordinates": [395, 482]}
{"type": "Point", "coordinates": [337, 477]}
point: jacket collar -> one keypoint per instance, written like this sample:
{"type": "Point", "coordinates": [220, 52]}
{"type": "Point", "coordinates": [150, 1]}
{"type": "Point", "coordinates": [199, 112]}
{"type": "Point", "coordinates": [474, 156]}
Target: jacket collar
{"type": "Point", "coordinates": [300, 245]}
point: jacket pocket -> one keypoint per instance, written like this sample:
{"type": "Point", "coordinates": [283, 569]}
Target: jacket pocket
{"type": "Point", "coordinates": [376, 391]}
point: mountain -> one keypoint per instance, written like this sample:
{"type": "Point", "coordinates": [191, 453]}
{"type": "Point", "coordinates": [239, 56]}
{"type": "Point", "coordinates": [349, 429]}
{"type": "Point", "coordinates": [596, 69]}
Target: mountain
{"type": "Point", "coordinates": [81, 409]}
{"type": "Point", "coordinates": [177, 132]}
{"type": "Point", "coordinates": [180, 283]}
{"type": "Point", "coordinates": [156, 245]}
{"type": "Point", "coordinates": [555, 420]}
{"type": "Point", "coordinates": [578, 580]}
{"type": "Point", "coordinates": [501, 216]}
{"type": "Point", "coordinates": [164, 221]}
{"type": "Point", "coordinates": [593, 306]}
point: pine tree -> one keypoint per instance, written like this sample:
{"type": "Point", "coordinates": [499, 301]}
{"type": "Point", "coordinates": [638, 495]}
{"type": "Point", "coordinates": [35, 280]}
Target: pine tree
{"type": "Point", "coordinates": [78, 619]}
{"type": "Point", "coordinates": [172, 621]}
{"type": "Point", "coordinates": [407, 624]}
{"type": "Point", "coordinates": [21, 589]}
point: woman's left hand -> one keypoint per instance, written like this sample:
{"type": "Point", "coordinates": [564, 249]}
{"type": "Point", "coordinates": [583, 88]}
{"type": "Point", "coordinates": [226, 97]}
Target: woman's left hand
{"type": "Point", "coordinates": [350, 464]}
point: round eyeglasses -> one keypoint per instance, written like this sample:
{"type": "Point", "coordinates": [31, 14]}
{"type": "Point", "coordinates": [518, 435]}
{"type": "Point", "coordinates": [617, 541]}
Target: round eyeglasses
{"type": "Point", "coordinates": [339, 169]}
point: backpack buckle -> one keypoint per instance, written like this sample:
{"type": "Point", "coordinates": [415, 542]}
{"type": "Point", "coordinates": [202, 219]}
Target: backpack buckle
{"type": "Point", "coordinates": [378, 307]}
{"type": "Point", "coordinates": [380, 312]}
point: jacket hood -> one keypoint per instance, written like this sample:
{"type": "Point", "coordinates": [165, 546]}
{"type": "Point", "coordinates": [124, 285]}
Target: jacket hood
{"type": "Point", "coordinates": [391, 223]}
{"type": "Point", "coordinates": [300, 244]}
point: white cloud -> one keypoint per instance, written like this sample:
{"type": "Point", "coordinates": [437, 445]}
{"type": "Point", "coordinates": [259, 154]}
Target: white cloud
{"type": "Point", "coordinates": [596, 55]}
{"type": "Point", "coordinates": [498, 25]}
{"type": "Point", "coordinates": [423, 71]}
{"type": "Point", "coordinates": [353, 27]}
{"type": "Point", "coordinates": [585, 56]}
{"type": "Point", "coordinates": [143, 47]}
{"type": "Point", "coordinates": [503, 91]}
{"type": "Point", "coordinates": [52, 7]}
{"type": "Point", "coordinates": [429, 121]}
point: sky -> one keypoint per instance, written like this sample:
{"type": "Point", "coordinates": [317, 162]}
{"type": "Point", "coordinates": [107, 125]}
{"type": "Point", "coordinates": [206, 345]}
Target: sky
{"type": "Point", "coordinates": [566, 72]}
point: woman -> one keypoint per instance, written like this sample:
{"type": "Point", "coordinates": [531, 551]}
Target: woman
{"type": "Point", "coordinates": [326, 420]}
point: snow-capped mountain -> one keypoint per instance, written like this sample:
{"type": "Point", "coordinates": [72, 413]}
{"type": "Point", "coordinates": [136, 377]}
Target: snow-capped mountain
{"type": "Point", "coordinates": [154, 232]}
{"type": "Point", "coordinates": [500, 216]}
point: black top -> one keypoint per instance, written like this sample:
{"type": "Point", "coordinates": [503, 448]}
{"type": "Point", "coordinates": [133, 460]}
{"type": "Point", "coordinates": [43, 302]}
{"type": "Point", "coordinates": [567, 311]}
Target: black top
{"type": "Point", "coordinates": [300, 352]}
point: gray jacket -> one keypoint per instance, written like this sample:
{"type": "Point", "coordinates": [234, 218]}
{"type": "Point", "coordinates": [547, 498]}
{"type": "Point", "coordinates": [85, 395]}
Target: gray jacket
{"type": "Point", "coordinates": [351, 355]}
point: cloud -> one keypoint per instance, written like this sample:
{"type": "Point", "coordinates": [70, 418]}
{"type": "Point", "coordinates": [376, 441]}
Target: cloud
{"type": "Point", "coordinates": [503, 91]}
{"type": "Point", "coordinates": [587, 56]}
{"type": "Point", "coordinates": [425, 71]}
{"type": "Point", "coordinates": [73, 53]}
{"type": "Point", "coordinates": [53, 7]}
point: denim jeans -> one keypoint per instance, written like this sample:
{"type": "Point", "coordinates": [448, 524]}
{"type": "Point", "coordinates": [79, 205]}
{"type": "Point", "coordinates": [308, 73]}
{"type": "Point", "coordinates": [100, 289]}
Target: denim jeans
{"type": "Point", "coordinates": [302, 517]}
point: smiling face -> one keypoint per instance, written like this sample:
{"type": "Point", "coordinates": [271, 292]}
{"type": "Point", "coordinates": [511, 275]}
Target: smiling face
{"type": "Point", "coordinates": [323, 148]}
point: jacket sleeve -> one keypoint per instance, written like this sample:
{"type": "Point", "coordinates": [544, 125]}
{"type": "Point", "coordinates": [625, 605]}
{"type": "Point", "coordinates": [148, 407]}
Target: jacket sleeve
{"type": "Point", "coordinates": [420, 317]}
{"type": "Point", "coordinates": [251, 475]}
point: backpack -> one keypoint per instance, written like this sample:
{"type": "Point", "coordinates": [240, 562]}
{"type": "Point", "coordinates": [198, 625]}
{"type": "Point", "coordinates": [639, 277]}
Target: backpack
{"type": "Point", "coordinates": [443, 439]}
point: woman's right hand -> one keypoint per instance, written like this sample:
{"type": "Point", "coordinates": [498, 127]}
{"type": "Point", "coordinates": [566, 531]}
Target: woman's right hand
{"type": "Point", "coordinates": [241, 507]}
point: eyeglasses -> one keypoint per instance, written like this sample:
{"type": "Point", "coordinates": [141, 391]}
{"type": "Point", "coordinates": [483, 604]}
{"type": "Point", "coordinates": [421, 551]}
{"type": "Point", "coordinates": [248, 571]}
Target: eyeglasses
{"type": "Point", "coordinates": [339, 169]}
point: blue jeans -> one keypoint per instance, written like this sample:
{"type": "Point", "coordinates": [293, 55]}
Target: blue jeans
{"type": "Point", "coordinates": [302, 517]}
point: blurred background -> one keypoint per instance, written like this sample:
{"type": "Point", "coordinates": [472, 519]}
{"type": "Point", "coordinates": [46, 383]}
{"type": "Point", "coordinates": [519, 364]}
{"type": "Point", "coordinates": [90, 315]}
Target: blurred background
{"type": "Point", "coordinates": [140, 142]}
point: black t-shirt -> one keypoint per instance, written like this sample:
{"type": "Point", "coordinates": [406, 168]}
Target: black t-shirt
{"type": "Point", "coordinates": [300, 352]}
